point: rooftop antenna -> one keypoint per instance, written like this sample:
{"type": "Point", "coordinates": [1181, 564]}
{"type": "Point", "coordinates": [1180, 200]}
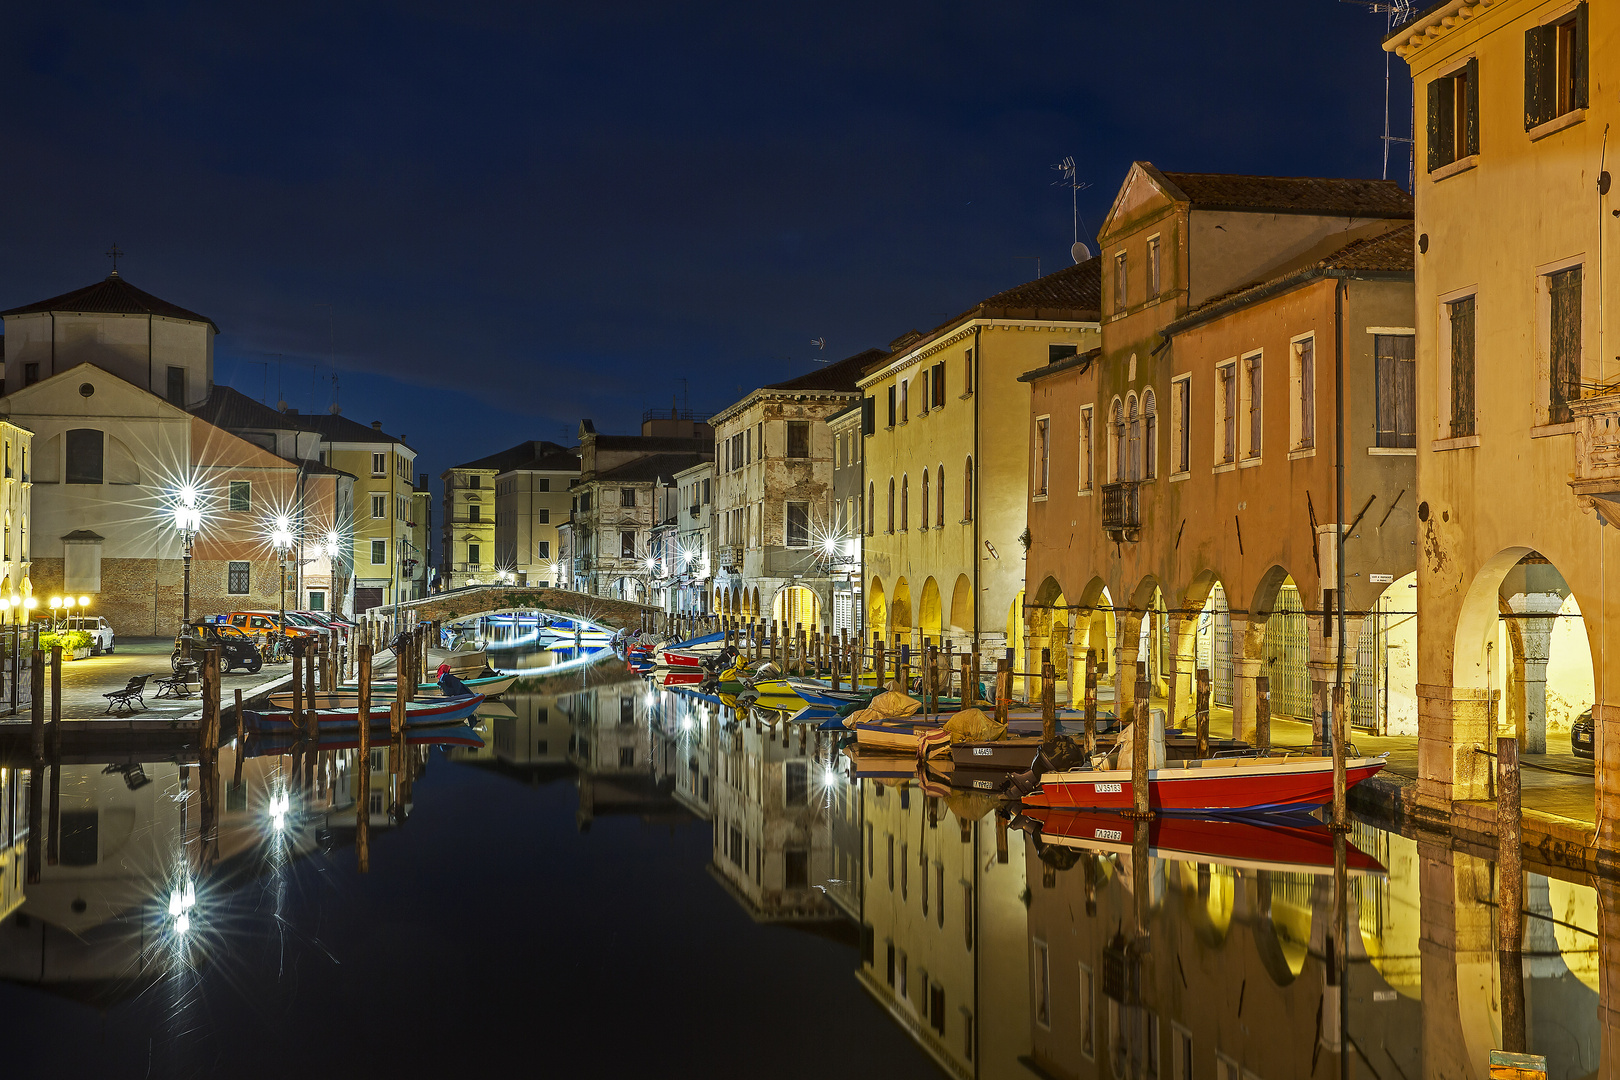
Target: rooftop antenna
{"type": "Point", "coordinates": [1037, 258]}
{"type": "Point", "coordinates": [1071, 179]}
{"type": "Point", "coordinates": [114, 253]}
{"type": "Point", "coordinates": [1395, 12]}
{"type": "Point", "coordinates": [820, 345]}
{"type": "Point", "coordinates": [335, 408]}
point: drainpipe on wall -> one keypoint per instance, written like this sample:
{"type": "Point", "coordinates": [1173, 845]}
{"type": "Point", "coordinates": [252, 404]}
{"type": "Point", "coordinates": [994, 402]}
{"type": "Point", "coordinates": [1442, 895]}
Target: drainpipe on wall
{"type": "Point", "coordinates": [977, 394]}
{"type": "Point", "coordinates": [1338, 470]}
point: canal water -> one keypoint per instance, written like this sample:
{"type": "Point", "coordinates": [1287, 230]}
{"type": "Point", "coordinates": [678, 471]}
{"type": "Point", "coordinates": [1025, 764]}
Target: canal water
{"type": "Point", "coordinates": [627, 881]}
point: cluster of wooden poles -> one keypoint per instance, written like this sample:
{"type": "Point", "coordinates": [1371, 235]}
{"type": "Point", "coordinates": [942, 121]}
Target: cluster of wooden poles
{"type": "Point", "coordinates": [314, 662]}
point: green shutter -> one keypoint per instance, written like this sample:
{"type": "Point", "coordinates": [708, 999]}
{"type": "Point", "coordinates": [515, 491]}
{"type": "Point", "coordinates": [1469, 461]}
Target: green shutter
{"type": "Point", "coordinates": [1535, 107]}
{"type": "Point", "coordinates": [1470, 117]}
{"type": "Point", "coordinates": [1579, 59]}
{"type": "Point", "coordinates": [1436, 88]}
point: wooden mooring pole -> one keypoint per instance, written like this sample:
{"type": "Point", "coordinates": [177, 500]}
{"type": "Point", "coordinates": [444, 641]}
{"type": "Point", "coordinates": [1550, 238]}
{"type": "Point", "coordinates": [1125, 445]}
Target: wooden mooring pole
{"type": "Point", "coordinates": [362, 764]}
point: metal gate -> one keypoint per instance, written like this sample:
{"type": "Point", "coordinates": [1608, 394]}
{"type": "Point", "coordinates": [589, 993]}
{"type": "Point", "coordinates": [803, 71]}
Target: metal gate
{"type": "Point", "coordinates": [1372, 674]}
{"type": "Point", "coordinates": [1218, 641]}
{"type": "Point", "coordinates": [1287, 656]}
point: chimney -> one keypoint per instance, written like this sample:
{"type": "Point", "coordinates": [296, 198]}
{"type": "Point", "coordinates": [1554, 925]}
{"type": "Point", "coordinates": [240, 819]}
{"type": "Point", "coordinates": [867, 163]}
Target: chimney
{"type": "Point", "coordinates": [376, 425]}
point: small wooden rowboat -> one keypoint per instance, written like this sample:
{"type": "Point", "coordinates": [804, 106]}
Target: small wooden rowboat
{"type": "Point", "coordinates": [1232, 785]}
{"type": "Point", "coordinates": [417, 714]}
{"type": "Point", "coordinates": [1287, 845]}
{"type": "Point", "coordinates": [925, 738]}
{"type": "Point", "coordinates": [489, 686]}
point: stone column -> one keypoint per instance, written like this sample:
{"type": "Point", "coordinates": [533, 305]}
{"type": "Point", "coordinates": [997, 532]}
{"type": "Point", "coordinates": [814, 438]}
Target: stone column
{"type": "Point", "coordinates": [1453, 723]}
{"type": "Point", "coordinates": [1125, 649]}
{"type": "Point", "coordinates": [1606, 748]}
{"type": "Point", "coordinates": [1062, 662]}
{"type": "Point", "coordinates": [1536, 634]}
{"type": "Point", "coordinates": [1244, 672]}
{"type": "Point", "coordinates": [1181, 677]}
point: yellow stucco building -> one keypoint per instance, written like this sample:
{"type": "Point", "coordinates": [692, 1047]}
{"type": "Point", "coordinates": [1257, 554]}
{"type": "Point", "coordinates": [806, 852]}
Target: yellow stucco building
{"type": "Point", "coordinates": [1518, 463]}
{"type": "Point", "coordinates": [946, 467]}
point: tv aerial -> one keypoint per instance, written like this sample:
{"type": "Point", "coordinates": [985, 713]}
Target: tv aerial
{"type": "Point", "coordinates": [1070, 178]}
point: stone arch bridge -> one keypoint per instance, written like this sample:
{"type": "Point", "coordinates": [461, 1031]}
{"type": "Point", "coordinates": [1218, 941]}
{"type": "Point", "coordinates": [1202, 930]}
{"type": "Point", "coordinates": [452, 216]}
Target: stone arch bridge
{"type": "Point", "coordinates": [480, 600]}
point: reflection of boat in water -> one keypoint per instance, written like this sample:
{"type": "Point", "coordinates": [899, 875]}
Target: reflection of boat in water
{"type": "Point", "coordinates": [1213, 785]}
{"type": "Point", "coordinates": [1290, 845]}
{"type": "Point", "coordinates": [277, 745]}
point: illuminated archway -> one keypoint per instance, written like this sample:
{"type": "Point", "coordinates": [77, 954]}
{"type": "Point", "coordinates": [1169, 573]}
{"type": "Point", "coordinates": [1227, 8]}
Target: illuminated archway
{"type": "Point", "coordinates": [930, 615]}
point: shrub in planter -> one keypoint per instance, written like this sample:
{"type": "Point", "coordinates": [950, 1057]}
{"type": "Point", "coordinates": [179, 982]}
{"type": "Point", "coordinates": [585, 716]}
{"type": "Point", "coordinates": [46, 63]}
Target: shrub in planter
{"type": "Point", "coordinates": [75, 643]}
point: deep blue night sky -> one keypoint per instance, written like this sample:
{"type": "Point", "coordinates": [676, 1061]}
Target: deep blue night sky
{"type": "Point", "coordinates": [492, 220]}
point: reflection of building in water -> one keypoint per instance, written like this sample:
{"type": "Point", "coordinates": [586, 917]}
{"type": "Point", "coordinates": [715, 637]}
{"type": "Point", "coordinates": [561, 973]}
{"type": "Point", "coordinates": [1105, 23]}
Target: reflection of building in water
{"type": "Point", "coordinates": [525, 736]}
{"type": "Point", "coordinates": [1237, 971]}
{"type": "Point", "coordinates": [120, 835]}
{"type": "Point", "coordinates": [772, 850]}
{"type": "Point", "coordinates": [13, 838]}
{"type": "Point", "coordinates": [685, 741]}
{"type": "Point", "coordinates": [943, 926]}
{"type": "Point", "coordinates": [610, 744]}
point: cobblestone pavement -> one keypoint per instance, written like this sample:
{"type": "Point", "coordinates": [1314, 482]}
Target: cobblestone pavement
{"type": "Point", "coordinates": [85, 681]}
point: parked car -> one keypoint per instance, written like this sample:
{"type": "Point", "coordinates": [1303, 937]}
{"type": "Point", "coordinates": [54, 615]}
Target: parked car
{"type": "Point", "coordinates": [99, 629]}
{"type": "Point", "coordinates": [1580, 736]}
{"type": "Point", "coordinates": [236, 648]}
{"type": "Point", "coordinates": [260, 623]}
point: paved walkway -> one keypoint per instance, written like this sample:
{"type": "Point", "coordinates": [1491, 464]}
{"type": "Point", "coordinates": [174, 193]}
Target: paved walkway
{"type": "Point", "coordinates": [85, 681]}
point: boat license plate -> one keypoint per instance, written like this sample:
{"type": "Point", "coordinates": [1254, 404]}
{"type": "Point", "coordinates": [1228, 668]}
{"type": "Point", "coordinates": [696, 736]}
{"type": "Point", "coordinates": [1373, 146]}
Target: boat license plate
{"type": "Point", "coordinates": [984, 785]}
{"type": "Point", "coordinates": [981, 751]}
{"type": "Point", "coordinates": [1113, 789]}
{"type": "Point", "coordinates": [1108, 834]}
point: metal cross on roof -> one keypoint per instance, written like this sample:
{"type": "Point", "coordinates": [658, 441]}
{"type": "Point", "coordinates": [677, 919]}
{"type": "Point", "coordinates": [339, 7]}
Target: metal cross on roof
{"type": "Point", "coordinates": [113, 254]}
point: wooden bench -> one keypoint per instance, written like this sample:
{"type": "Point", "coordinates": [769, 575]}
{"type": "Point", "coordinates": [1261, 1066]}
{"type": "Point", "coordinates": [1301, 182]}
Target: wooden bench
{"type": "Point", "coordinates": [177, 685]}
{"type": "Point", "coordinates": [130, 696]}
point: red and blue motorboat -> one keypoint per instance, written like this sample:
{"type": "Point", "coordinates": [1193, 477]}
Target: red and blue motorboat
{"type": "Point", "coordinates": [1223, 785]}
{"type": "Point", "coordinates": [418, 714]}
{"type": "Point", "coordinates": [1284, 844]}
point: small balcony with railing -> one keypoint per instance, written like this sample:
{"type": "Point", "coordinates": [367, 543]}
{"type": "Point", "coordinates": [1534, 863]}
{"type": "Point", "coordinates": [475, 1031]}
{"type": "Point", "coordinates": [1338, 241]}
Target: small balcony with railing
{"type": "Point", "coordinates": [1596, 480]}
{"type": "Point", "coordinates": [1122, 510]}
{"type": "Point", "coordinates": [729, 555]}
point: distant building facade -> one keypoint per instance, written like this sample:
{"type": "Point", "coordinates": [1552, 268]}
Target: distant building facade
{"type": "Point", "coordinates": [773, 496]}
{"type": "Point", "coordinates": [506, 511]}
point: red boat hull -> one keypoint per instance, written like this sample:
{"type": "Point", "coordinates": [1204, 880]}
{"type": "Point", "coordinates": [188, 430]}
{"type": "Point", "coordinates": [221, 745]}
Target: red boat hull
{"type": "Point", "coordinates": [682, 660]}
{"type": "Point", "coordinates": [1224, 790]}
{"type": "Point", "coordinates": [1229, 841]}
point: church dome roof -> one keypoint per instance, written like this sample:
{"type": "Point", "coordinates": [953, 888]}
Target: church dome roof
{"type": "Point", "coordinates": [112, 296]}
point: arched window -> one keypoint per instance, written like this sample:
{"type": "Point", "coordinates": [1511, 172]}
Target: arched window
{"type": "Point", "coordinates": [940, 499]}
{"type": "Point", "coordinates": [905, 502]}
{"type": "Point", "coordinates": [1150, 436]}
{"type": "Point", "coordinates": [891, 504]}
{"type": "Point", "coordinates": [1133, 440]}
{"type": "Point", "coordinates": [871, 509]}
{"type": "Point", "coordinates": [1116, 423]}
{"type": "Point", "coordinates": [967, 491]}
{"type": "Point", "coordinates": [922, 521]}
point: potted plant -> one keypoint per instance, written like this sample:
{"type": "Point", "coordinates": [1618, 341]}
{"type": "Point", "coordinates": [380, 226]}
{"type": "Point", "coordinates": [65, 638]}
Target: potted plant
{"type": "Point", "coordinates": [75, 643]}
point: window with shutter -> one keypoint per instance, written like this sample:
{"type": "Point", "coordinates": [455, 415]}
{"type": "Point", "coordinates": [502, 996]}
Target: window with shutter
{"type": "Point", "coordinates": [1555, 68]}
{"type": "Point", "coordinates": [1453, 127]}
{"type": "Point", "coordinates": [1462, 367]}
{"type": "Point", "coordinates": [1564, 344]}
{"type": "Point", "coordinates": [1395, 387]}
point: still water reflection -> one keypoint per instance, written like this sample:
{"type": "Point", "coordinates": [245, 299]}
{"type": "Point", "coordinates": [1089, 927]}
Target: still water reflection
{"type": "Point", "coordinates": [624, 880]}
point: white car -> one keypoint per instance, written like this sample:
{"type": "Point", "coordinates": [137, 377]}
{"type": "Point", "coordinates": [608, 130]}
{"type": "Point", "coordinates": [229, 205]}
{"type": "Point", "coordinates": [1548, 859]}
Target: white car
{"type": "Point", "coordinates": [100, 630]}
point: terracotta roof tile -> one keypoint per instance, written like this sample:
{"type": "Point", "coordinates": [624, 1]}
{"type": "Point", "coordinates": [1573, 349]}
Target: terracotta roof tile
{"type": "Point", "coordinates": [113, 296]}
{"type": "Point", "coordinates": [1294, 194]}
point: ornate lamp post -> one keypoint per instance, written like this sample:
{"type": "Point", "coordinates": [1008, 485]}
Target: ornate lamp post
{"type": "Point", "coordinates": [281, 539]}
{"type": "Point", "coordinates": [188, 520]}
{"type": "Point", "coordinates": [330, 547]}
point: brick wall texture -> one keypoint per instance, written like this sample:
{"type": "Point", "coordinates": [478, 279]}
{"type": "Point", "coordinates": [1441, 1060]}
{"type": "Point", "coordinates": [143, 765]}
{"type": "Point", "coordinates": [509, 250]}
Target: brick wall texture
{"type": "Point", "coordinates": [144, 597]}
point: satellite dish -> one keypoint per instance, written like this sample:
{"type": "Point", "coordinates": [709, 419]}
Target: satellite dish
{"type": "Point", "coordinates": [1079, 252]}
{"type": "Point", "coordinates": [334, 408]}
